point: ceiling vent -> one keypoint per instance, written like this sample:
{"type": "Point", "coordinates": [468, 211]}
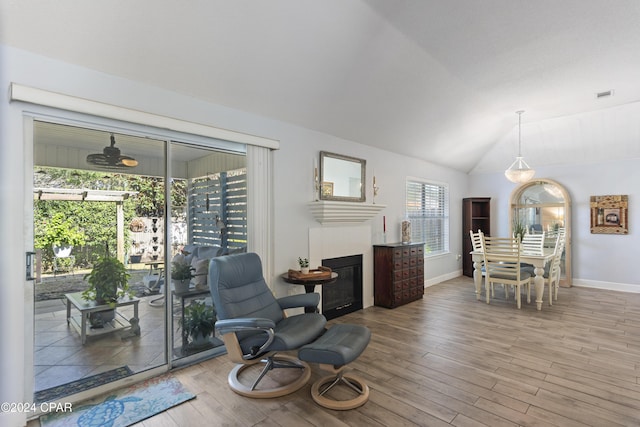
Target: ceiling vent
{"type": "Point", "coordinates": [604, 94]}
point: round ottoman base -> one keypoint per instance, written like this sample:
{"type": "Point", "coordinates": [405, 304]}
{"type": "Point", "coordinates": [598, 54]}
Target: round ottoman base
{"type": "Point", "coordinates": [318, 392]}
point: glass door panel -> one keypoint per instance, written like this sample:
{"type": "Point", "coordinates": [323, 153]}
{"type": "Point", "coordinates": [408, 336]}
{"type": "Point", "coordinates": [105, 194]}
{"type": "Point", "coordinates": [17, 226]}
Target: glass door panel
{"type": "Point", "coordinates": [101, 195]}
{"type": "Point", "coordinates": [208, 211]}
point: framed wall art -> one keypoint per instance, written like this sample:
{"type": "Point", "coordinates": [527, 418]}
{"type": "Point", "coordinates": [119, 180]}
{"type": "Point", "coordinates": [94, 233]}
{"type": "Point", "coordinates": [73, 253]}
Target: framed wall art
{"type": "Point", "coordinates": [609, 214]}
{"type": "Point", "coordinates": [327, 189]}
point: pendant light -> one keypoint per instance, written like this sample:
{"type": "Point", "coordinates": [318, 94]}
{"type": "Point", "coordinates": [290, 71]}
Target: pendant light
{"type": "Point", "coordinates": [519, 171]}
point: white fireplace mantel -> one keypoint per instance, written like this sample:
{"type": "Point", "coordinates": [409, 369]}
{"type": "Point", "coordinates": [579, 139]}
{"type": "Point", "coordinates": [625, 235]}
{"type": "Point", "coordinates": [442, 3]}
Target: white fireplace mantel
{"type": "Point", "coordinates": [328, 212]}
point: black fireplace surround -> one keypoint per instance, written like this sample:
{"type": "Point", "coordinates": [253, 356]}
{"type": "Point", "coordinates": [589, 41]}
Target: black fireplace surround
{"type": "Point", "coordinates": [345, 295]}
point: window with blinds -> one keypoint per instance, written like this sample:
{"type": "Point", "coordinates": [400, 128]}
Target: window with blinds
{"type": "Point", "coordinates": [428, 211]}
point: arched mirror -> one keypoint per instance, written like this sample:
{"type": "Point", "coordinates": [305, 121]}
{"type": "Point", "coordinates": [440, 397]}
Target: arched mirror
{"type": "Point", "coordinates": [544, 205]}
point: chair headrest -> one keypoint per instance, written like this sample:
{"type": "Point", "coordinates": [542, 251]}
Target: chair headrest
{"type": "Point", "coordinates": [238, 288]}
{"type": "Point", "coordinates": [237, 270]}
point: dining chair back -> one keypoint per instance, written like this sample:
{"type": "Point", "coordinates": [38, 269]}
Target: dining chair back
{"type": "Point", "coordinates": [533, 244]}
{"type": "Point", "coordinates": [552, 278]}
{"type": "Point", "coordinates": [476, 244]}
{"type": "Point", "coordinates": [502, 266]}
{"type": "Point", "coordinates": [476, 240]}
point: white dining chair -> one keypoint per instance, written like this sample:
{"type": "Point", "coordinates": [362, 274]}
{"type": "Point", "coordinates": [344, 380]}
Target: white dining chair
{"type": "Point", "coordinates": [533, 244]}
{"type": "Point", "coordinates": [502, 266]}
{"type": "Point", "coordinates": [552, 276]}
{"type": "Point", "coordinates": [476, 244]}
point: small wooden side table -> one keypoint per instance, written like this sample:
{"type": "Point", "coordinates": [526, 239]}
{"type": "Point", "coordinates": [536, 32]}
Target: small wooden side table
{"type": "Point", "coordinates": [310, 284]}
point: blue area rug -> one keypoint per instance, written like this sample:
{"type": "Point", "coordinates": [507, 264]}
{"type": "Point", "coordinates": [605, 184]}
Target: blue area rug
{"type": "Point", "coordinates": [123, 407]}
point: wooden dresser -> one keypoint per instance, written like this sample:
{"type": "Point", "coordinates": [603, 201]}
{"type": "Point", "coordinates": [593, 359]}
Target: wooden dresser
{"type": "Point", "coordinates": [398, 273]}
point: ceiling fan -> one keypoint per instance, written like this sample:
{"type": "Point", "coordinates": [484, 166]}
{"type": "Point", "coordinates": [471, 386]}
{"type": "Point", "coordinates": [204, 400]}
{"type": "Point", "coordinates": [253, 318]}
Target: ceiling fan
{"type": "Point", "coordinates": [111, 158]}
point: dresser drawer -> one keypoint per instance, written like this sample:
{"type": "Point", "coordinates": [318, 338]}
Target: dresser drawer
{"type": "Point", "coordinates": [397, 298]}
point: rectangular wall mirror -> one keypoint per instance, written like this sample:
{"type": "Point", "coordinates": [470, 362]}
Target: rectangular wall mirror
{"type": "Point", "coordinates": [342, 178]}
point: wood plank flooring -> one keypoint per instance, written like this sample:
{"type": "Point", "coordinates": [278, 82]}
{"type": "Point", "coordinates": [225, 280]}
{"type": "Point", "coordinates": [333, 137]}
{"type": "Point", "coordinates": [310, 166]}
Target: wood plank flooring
{"type": "Point", "coordinates": [449, 360]}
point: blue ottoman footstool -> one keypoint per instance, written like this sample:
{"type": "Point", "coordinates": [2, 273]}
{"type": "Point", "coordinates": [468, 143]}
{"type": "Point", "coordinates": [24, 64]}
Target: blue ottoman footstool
{"type": "Point", "coordinates": [339, 346]}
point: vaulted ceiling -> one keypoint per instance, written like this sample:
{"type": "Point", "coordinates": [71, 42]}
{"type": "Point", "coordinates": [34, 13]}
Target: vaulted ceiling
{"type": "Point", "coordinates": [439, 80]}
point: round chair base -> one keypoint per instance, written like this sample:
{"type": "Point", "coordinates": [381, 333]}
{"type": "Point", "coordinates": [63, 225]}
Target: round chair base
{"type": "Point", "coordinates": [245, 390]}
{"type": "Point", "coordinates": [340, 405]}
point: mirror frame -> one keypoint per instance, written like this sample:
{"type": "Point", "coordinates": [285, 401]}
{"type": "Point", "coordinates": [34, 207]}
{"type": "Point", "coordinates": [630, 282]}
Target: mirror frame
{"type": "Point", "coordinates": [363, 167]}
{"type": "Point", "coordinates": [567, 279]}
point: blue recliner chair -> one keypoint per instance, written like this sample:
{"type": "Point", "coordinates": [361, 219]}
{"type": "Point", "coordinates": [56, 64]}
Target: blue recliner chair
{"type": "Point", "coordinates": [254, 326]}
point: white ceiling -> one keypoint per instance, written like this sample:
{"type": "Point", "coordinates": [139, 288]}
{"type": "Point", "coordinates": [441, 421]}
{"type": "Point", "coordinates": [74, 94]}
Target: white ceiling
{"type": "Point", "coordinates": [434, 79]}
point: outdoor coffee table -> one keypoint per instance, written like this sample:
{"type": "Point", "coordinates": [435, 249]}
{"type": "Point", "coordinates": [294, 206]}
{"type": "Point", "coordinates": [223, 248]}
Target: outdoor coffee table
{"type": "Point", "coordinates": [81, 323]}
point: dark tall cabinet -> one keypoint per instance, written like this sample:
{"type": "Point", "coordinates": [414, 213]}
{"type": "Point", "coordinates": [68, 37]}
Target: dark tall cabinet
{"type": "Point", "coordinates": [398, 273]}
{"type": "Point", "coordinates": [476, 215]}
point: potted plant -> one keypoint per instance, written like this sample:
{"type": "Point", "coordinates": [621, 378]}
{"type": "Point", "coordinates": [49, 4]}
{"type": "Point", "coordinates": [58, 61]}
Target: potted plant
{"type": "Point", "coordinates": [136, 252]}
{"type": "Point", "coordinates": [518, 230]}
{"type": "Point", "coordinates": [61, 235]}
{"type": "Point", "coordinates": [198, 322]}
{"type": "Point", "coordinates": [108, 282]}
{"type": "Point", "coordinates": [181, 273]}
{"type": "Point", "coordinates": [304, 265]}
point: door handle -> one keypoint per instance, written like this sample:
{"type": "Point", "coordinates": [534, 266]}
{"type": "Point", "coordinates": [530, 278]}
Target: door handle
{"type": "Point", "coordinates": [29, 265]}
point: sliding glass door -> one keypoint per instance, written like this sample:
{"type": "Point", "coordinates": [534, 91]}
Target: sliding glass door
{"type": "Point", "coordinates": [100, 197]}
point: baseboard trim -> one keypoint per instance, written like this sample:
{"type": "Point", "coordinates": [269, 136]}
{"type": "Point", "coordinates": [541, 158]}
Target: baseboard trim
{"type": "Point", "coordinates": [582, 283]}
{"type": "Point", "coordinates": [611, 286]}
{"type": "Point", "coordinates": [443, 278]}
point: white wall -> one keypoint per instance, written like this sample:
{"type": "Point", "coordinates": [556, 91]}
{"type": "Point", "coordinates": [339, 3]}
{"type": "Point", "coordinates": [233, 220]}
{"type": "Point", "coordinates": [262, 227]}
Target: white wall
{"type": "Point", "coordinates": [293, 174]}
{"type": "Point", "coordinates": [294, 189]}
{"type": "Point", "coordinates": [598, 260]}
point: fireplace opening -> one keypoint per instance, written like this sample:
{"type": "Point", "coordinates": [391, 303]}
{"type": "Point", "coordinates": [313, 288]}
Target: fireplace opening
{"type": "Point", "coordinates": [345, 295]}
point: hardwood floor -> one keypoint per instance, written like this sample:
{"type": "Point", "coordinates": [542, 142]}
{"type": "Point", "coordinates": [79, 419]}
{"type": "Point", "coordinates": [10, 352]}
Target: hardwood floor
{"type": "Point", "coordinates": [451, 360]}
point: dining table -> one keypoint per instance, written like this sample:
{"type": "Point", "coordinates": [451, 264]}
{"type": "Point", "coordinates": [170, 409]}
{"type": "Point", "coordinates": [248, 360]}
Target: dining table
{"type": "Point", "coordinates": [537, 260]}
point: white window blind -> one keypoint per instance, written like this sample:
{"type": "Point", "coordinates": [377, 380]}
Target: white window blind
{"type": "Point", "coordinates": [428, 211]}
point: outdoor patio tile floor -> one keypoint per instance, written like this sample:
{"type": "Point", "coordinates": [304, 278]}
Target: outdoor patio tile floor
{"type": "Point", "coordinates": [61, 358]}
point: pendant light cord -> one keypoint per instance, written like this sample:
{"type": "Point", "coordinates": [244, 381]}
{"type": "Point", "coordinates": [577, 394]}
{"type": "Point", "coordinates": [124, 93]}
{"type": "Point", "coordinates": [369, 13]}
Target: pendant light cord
{"type": "Point", "coordinates": [520, 132]}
